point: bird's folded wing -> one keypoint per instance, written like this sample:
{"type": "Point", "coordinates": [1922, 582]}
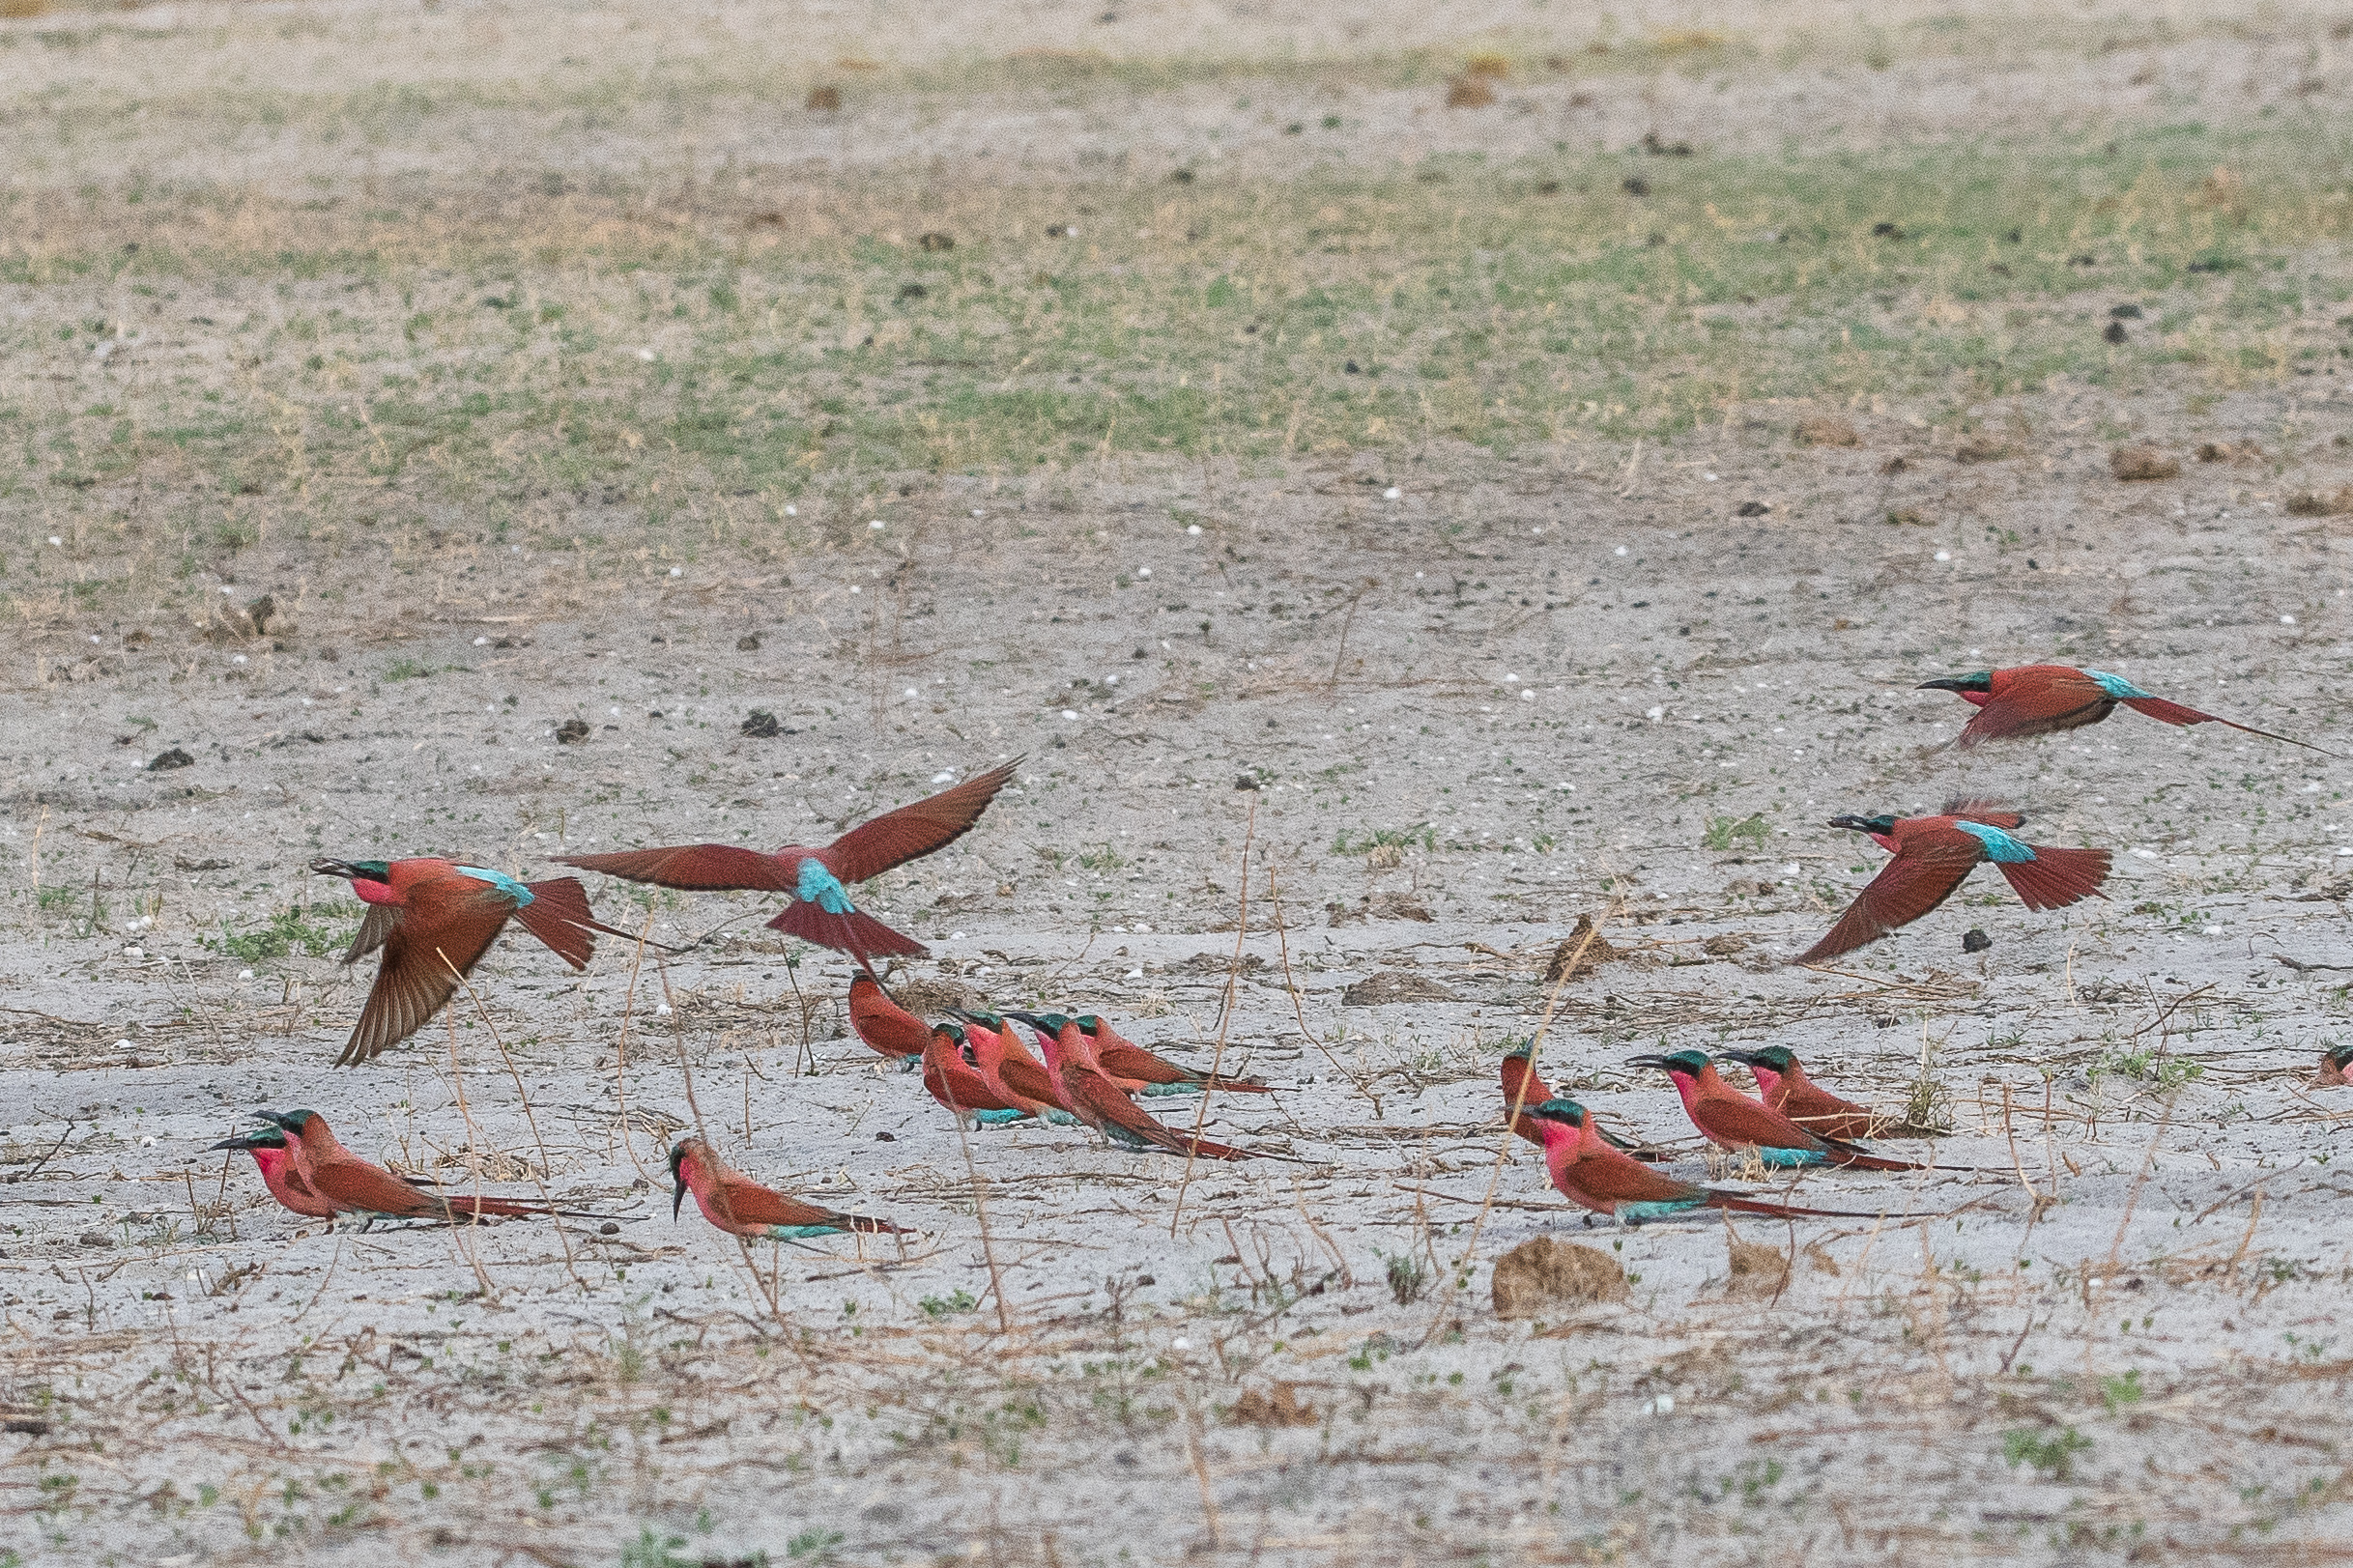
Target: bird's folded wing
{"type": "Point", "coordinates": [1028, 1080]}
{"type": "Point", "coordinates": [897, 837]}
{"type": "Point", "coordinates": [701, 867]}
{"type": "Point", "coordinates": [752, 1204]}
{"type": "Point", "coordinates": [1907, 887]}
{"type": "Point", "coordinates": [1742, 1121]}
{"type": "Point", "coordinates": [362, 1185]}
{"type": "Point", "coordinates": [1612, 1175]}
{"type": "Point", "coordinates": [2046, 707]}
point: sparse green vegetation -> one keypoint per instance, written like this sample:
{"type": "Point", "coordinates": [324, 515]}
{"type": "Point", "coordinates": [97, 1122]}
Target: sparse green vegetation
{"type": "Point", "coordinates": [1725, 831]}
{"type": "Point", "coordinates": [289, 930]}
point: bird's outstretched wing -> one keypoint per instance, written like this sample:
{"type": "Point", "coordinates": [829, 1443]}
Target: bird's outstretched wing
{"type": "Point", "coordinates": [443, 927]}
{"type": "Point", "coordinates": [1907, 887]}
{"type": "Point", "coordinates": [910, 832]}
{"type": "Point", "coordinates": [698, 868]}
{"type": "Point", "coordinates": [1994, 814]}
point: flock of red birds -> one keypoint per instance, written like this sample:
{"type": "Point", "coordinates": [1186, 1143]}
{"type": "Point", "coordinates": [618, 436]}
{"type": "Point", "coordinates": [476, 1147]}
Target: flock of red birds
{"type": "Point", "coordinates": [433, 919]}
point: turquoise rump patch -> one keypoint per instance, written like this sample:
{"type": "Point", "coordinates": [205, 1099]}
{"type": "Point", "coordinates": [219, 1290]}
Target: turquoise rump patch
{"type": "Point", "coordinates": [2115, 686]}
{"type": "Point", "coordinates": [2000, 847]}
{"type": "Point", "coordinates": [801, 1233]}
{"type": "Point", "coordinates": [501, 880]}
{"type": "Point", "coordinates": [820, 886]}
{"type": "Point", "coordinates": [997, 1119]}
{"type": "Point", "coordinates": [1788, 1159]}
{"type": "Point", "coordinates": [1635, 1213]}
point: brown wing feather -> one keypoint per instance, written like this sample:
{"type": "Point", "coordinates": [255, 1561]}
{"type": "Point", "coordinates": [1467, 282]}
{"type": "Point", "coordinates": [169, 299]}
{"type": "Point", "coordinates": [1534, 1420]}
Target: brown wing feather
{"type": "Point", "coordinates": [413, 981]}
{"type": "Point", "coordinates": [1613, 1177]}
{"type": "Point", "coordinates": [1744, 1122]}
{"type": "Point", "coordinates": [354, 1183]}
{"type": "Point", "coordinates": [699, 868]}
{"type": "Point", "coordinates": [1994, 814]}
{"type": "Point", "coordinates": [559, 915]}
{"type": "Point", "coordinates": [375, 929]}
{"type": "Point", "coordinates": [1907, 887]}
{"type": "Point", "coordinates": [2054, 698]}
{"type": "Point", "coordinates": [897, 837]}
{"type": "Point", "coordinates": [1027, 1079]}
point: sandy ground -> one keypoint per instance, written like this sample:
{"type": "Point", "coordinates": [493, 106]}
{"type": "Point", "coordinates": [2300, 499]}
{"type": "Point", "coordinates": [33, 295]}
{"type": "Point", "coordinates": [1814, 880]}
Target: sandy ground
{"type": "Point", "coordinates": [2111, 1331]}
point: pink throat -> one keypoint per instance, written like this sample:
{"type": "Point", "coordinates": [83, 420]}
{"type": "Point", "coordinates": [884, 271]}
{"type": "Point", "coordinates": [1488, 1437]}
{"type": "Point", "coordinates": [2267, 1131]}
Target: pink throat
{"type": "Point", "coordinates": [1688, 1087]}
{"type": "Point", "coordinates": [1768, 1080]}
{"type": "Point", "coordinates": [374, 891]}
{"type": "Point", "coordinates": [1978, 699]}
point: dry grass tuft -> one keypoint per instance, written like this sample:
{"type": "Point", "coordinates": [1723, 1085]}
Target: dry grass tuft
{"type": "Point", "coordinates": [825, 99]}
{"type": "Point", "coordinates": [2229, 452]}
{"type": "Point", "coordinates": [1543, 1275]}
{"type": "Point", "coordinates": [1758, 1272]}
{"type": "Point", "coordinates": [2134, 463]}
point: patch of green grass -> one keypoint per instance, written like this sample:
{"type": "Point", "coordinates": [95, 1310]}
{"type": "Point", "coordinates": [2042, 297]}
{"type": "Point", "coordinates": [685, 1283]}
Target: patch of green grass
{"type": "Point", "coordinates": [941, 1306]}
{"type": "Point", "coordinates": [1365, 842]}
{"type": "Point", "coordinates": [289, 930]}
{"type": "Point", "coordinates": [1724, 832]}
{"type": "Point", "coordinates": [2051, 1453]}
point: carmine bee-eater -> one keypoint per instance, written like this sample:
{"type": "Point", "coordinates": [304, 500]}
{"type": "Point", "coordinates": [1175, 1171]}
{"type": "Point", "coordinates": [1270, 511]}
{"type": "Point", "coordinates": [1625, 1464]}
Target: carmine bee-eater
{"type": "Point", "coordinates": [736, 1204]}
{"type": "Point", "coordinates": [2333, 1064]}
{"type": "Point", "coordinates": [1005, 1065]}
{"type": "Point", "coordinates": [1588, 1172]}
{"type": "Point", "coordinates": [1933, 854]}
{"type": "Point", "coordinates": [1783, 1085]}
{"type": "Point", "coordinates": [2043, 700]}
{"type": "Point", "coordinates": [267, 1147]}
{"type": "Point", "coordinates": [951, 1072]}
{"type": "Point", "coordinates": [1523, 1088]}
{"type": "Point", "coordinates": [1731, 1120]}
{"type": "Point", "coordinates": [1140, 1072]}
{"type": "Point", "coordinates": [355, 1186]}
{"type": "Point", "coordinates": [434, 919]}
{"type": "Point", "coordinates": [1082, 1087]}
{"type": "Point", "coordinates": [818, 880]}
{"type": "Point", "coordinates": [883, 1024]}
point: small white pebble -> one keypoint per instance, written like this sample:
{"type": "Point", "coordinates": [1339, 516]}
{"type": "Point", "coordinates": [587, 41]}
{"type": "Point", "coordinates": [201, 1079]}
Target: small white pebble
{"type": "Point", "coordinates": [646, 355]}
{"type": "Point", "coordinates": [1393, 493]}
{"type": "Point", "coordinates": [1135, 974]}
{"type": "Point", "coordinates": [147, 1143]}
{"type": "Point", "coordinates": [237, 658]}
{"type": "Point", "coordinates": [912, 691]}
{"type": "Point", "coordinates": [854, 588]}
{"type": "Point", "coordinates": [1655, 713]}
{"type": "Point", "coordinates": [1622, 550]}
{"type": "Point", "coordinates": [1192, 528]}
{"type": "Point", "coordinates": [956, 936]}
{"type": "Point", "coordinates": [242, 973]}
{"type": "Point", "coordinates": [661, 1009]}
{"type": "Point", "coordinates": [134, 953]}
{"type": "Point", "coordinates": [1069, 714]}
{"type": "Point", "coordinates": [2287, 620]}
{"type": "Point", "coordinates": [614, 712]}
{"type": "Point", "coordinates": [1143, 571]}
{"type": "Point", "coordinates": [677, 571]}
{"type": "Point", "coordinates": [1180, 1343]}
{"type": "Point", "coordinates": [875, 525]}
{"type": "Point", "coordinates": [482, 641]}
{"type": "Point", "coordinates": [1528, 694]}
{"type": "Point", "coordinates": [1511, 680]}
{"type": "Point", "coordinates": [93, 637]}
{"type": "Point", "coordinates": [1663, 1405]}
{"type": "Point", "coordinates": [2213, 930]}
{"type": "Point", "coordinates": [1944, 554]}
{"type": "Point", "coordinates": [943, 778]}
{"type": "Point", "coordinates": [2145, 854]}
{"type": "Point", "coordinates": [1707, 476]}
{"type": "Point", "coordinates": [791, 510]}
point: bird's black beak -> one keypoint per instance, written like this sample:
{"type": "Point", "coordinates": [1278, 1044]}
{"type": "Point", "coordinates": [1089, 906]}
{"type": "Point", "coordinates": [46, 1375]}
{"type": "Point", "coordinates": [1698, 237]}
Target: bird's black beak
{"type": "Point", "coordinates": [245, 1142]}
{"type": "Point", "coordinates": [343, 869]}
{"type": "Point", "coordinates": [1747, 1058]}
{"type": "Point", "coordinates": [1948, 684]}
{"type": "Point", "coordinates": [1857, 824]}
{"type": "Point", "coordinates": [678, 1199]}
{"type": "Point", "coordinates": [1658, 1062]}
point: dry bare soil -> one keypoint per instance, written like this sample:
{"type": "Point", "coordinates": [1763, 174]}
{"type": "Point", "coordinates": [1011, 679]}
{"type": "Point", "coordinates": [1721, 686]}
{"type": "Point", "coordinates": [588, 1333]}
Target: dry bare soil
{"type": "Point", "coordinates": [1406, 478]}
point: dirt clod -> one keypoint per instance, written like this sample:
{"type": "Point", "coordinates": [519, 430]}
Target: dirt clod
{"type": "Point", "coordinates": [1542, 1275]}
{"type": "Point", "coordinates": [761, 724]}
{"type": "Point", "coordinates": [1281, 1407]}
{"type": "Point", "coordinates": [2321, 502]}
{"type": "Point", "coordinates": [1582, 950]}
{"type": "Point", "coordinates": [168, 760]}
{"type": "Point", "coordinates": [1827, 430]}
{"type": "Point", "coordinates": [572, 733]}
{"type": "Point", "coordinates": [1389, 987]}
{"type": "Point", "coordinates": [2142, 463]}
{"type": "Point", "coordinates": [1468, 92]}
{"type": "Point", "coordinates": [825, 99]}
